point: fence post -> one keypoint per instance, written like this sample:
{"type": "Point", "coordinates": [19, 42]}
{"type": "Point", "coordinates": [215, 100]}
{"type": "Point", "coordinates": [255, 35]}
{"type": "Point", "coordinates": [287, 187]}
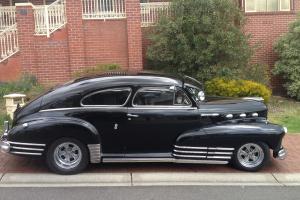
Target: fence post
{"type": "Point", "coordinates": [47, 21]}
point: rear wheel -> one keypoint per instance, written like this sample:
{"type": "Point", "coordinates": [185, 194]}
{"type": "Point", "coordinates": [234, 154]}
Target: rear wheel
{"type": "Point", "coordinates": [251, 156]}
{"type": "Point", "coordinates": [67, 156]}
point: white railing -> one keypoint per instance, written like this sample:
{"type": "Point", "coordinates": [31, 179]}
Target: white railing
{"type": "Point", "coordinates": [7, 17]}
{"type": "Point", "coordinates": [103, 9]}
{"type": "Point", "coordinates": [9, 42]}
{"type": "Point", "coordinates": [49, 18]}
{"type": "Point", "coordinates": [150, 12]}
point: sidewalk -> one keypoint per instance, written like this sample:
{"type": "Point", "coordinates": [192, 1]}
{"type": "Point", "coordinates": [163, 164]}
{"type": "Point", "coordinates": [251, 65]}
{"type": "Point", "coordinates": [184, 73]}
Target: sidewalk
{"type": "Point", "coordinates": [278, 172]}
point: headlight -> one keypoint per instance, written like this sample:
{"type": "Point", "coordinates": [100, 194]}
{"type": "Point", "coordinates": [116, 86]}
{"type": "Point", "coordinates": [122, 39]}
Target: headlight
{"type": "Point", "coordinates": [201, 96]}
{"type": "Point", "coordinates": [285, 129]}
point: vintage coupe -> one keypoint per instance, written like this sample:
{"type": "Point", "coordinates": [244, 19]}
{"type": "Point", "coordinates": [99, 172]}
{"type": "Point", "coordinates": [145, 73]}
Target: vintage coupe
{"type": "Point", "coordinates": [142, 118]}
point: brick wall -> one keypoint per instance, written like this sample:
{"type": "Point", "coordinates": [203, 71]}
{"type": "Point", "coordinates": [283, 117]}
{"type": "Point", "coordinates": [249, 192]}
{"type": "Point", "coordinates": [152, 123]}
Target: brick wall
{"type": "Point", "coordinates": [10, 69]}
{"type": "Point", "coordinates": [106, 42]}
{"type": "Point", "coordinates": [265, 29]}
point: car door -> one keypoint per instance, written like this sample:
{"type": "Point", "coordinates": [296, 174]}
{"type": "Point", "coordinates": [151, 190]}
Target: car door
{"type": "Point", "coordinates": [158, 115]}
{"type": "Point", "coordinates": [106, 110]}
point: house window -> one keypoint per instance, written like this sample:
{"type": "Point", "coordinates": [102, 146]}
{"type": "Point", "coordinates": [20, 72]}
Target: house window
{"type": "Point", "coordinates": [267, 5]}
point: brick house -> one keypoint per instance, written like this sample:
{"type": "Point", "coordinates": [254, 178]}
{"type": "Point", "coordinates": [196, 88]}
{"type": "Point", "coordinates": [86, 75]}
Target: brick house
{"type": "Point", "coordinates": [54, 38]}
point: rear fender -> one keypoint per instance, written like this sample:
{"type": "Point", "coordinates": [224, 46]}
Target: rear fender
{"type": "Point", "coordinates": [47, 130]}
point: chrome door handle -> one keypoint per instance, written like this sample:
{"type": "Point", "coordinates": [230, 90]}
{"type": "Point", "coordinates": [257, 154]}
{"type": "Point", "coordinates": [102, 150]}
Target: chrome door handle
{"type": "Point", "coordinates": [132, 115]}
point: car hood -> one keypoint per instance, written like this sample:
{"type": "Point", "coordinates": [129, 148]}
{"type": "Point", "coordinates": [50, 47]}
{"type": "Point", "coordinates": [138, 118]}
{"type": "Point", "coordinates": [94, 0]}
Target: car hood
{"type": "Point", "coordinates": [221, 105]}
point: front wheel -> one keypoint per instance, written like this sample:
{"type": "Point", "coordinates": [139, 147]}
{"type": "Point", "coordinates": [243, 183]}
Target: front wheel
{"type": "Point", "coordinates": [67, 156]}
{"type": "Point", "coordinates": [251, 156]}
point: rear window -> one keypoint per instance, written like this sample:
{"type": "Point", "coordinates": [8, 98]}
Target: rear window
{"type": "Point", "coordinates": [110, 97]}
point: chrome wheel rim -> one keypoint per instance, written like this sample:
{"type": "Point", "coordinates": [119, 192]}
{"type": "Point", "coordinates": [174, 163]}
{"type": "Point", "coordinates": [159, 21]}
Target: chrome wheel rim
{"type": "Point", "coordinates": [67, 155]}
{"type": "Point", "coordinates": [250, 155]}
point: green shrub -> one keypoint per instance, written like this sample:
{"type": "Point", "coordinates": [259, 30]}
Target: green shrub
{"type": "Point", "coordinates": [255, 72]}
{"type": "Point", "coordinates": [99, 69]}
{"type": "Point", "coordinates": [202, 38]}
{"type": "Point", "coordinates": [236, 88]}
{"type": "Point", "coordinates": [25, 84]}
{"type": "Point", "coordinates": [288, 65]}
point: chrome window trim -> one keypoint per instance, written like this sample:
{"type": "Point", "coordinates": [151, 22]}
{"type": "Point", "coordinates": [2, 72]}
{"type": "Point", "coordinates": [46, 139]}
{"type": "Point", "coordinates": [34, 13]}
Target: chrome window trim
{"type": "Point", "coordinates": [118, 107]}
{"type": "Point", "coordinates": [107, 90]}
{"type": "Point", "coordinates": [160, 88]}
{"type": "Point", "coordinates": [82, 108]}
{"type": "Point", "coordinates": [27, 144]}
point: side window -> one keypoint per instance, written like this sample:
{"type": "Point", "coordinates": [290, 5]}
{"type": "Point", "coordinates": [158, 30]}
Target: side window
{"type": "Point", "coordinates": [181, 99]}
{"type": "Point", "coordinates": [110, 97]}
{"type": "Point", "coordinates": [161, 97]}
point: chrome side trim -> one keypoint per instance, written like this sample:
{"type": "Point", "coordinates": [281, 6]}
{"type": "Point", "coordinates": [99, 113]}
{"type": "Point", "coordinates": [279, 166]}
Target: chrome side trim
{"type": "Point", "coordinates": [210, 114]}
{"type": "Point", "coordinates": [219, 157]}
{"type": "Point", "coordinates": [171, 160]}
{"type": "Point", "coordinates": [188, 156]}
{"type": "Point", "coordinates": [205, 148]}
{"type": "Point", "coordinates": [199, 152]}
{"type": "Point", "coordinates": [29, 149]}
{"type": "Point", "coordinates": [214, 162]}
{"type": "Point", "coordinates": [220, 148]}
{"type": "Point", "coordinates": [126, 160]}
{"type": "Point", "coordinates": [220, 153]}
{"type": "Point", "coordinates": [95, 153]}
{"type": "Point", "coordinates": [27, 144]}
{"type": "Point", "coordinates": [26, 153]}
{"type": "Point", "coordinates": [187, 147]}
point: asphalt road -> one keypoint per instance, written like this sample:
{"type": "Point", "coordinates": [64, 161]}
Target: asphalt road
{"type": "Point", "coordinates": [154, 193]}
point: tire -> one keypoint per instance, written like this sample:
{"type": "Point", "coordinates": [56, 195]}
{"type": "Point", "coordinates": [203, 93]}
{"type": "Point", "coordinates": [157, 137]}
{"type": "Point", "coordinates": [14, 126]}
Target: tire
{"type": "Point", "coordinates": [253, 160]}
{"type": "Point", "coordinates": [67, 156]}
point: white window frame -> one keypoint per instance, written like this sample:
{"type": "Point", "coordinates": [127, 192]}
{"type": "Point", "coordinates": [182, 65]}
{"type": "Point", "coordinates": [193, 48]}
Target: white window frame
{"type": "Point", "coordinates": [255, 10]}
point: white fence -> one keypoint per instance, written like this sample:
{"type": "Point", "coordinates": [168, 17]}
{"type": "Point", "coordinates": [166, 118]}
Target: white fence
{"type": "Point", "coordinates": [103, 9]}
{"type": "Point", "coordinates": [49, 18]}
{"type": "Point", "coordinates": [150, 12]}
{"type": "Point", "coordinates": [9, 42]}
{"type": "Point", "coordinates": [7, 17]}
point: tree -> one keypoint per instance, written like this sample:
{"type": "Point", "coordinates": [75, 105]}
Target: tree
{"type": "Point", "coordinates": [202, 38]}
{"type": "Point", "coordinates": [288, 65]}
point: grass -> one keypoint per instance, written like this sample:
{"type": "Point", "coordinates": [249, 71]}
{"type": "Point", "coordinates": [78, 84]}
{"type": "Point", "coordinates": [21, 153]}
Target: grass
{"type": "Point", "coordinates": [285, 112]}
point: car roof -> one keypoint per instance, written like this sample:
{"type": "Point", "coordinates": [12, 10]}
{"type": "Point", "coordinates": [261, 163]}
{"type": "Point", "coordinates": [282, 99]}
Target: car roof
{"type": "Point", "coordinates": [119, 80]}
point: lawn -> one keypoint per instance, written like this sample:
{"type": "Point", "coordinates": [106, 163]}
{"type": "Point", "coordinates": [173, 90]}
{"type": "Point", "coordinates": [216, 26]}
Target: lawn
{"type": "Point", "coordinates": [285, 112]}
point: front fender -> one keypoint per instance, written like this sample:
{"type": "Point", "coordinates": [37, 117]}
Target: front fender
{"type": "Point", "coordinates": [46, 130]}
{"type": "Point", "coordinates": [233, 135]}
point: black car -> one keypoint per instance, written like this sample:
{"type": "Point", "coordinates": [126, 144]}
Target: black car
{"type": "Point", "coordinates": [142, 118]}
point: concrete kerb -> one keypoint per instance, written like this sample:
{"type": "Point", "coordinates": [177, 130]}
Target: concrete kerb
{"type": "Point", "coordinates": [288, 179]}
{"type": "Point", "coordinates": [148, 179]}
{"type": "Point", "coordinates": [48, 180]}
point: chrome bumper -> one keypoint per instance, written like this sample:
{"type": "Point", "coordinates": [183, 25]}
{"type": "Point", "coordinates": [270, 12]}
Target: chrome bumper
{"type": "Point", "coordinates": [5, 147]}
{"type": "Point", "coordinates": [281, 154]}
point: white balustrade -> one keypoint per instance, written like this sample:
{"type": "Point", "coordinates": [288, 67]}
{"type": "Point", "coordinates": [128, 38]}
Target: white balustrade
{"type": "Point", "coordinates": [9, 42]}
{"type": "Point", "coordinates": [103, 9]}
{"type": "Point", "coordinates": [49, 18]}
{"type": "Point", "coordinates": [150, 12]}
{"type": "Point", "coordinates": [7, 17]}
